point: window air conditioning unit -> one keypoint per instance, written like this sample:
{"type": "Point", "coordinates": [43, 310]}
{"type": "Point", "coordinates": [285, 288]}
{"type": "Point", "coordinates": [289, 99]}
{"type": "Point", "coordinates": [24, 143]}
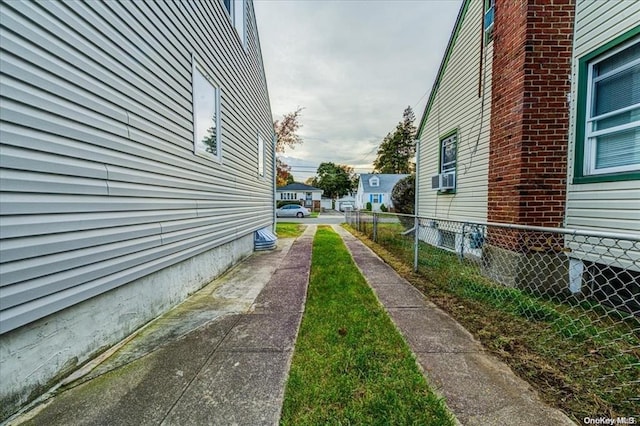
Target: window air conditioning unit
{"type": "Point", "coordinates": [443, 181]}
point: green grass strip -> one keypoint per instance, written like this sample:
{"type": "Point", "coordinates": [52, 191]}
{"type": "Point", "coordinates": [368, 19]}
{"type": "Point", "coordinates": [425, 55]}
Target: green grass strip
{"type": "Point", "coordinates": [351, 366]}
{"type": "Point", "coordinates": [289, 230]}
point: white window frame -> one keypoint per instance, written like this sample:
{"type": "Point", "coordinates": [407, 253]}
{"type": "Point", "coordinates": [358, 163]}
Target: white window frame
{"type": "Point", "coordinates": [590, 142]}
{"type": "Point", "coordinates": [238, 18]}
{"type": "Point", "coordinates": [449, 167]}
{"type": "Point", "coordinates": [197, 146]}
{"type": "Point", "coordinates": [374, 182]}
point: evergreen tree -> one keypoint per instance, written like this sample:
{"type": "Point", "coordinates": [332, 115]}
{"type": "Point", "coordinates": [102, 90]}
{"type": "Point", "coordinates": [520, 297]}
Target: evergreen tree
{"type": "Point", "coordinates": [210, 141]}
{"type": "Point", "coordinates": [398, 148]}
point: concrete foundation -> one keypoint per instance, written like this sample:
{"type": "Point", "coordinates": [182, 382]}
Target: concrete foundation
{"type": "Point", "coordinates": [35, 357]}
{"type": "Point", "coordinates": [539, 273]}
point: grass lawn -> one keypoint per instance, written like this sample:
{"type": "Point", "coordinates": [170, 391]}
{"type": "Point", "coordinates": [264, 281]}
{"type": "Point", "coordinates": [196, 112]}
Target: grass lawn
{"type": "Point", "coordinates": [351, 366]}
{"type": "Point", "coordinates": [575, 356]}
{"type": "Point", "coordinates": [289, 230]}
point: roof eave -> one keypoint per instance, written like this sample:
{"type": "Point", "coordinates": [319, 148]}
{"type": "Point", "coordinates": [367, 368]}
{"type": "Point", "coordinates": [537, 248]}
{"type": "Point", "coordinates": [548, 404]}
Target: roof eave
{"type": "Point", "coordinates": [443, 65]}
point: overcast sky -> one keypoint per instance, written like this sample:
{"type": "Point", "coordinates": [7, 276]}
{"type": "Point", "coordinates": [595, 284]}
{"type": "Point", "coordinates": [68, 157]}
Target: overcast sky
{"type": "Point", "coordinates": [354, 65]}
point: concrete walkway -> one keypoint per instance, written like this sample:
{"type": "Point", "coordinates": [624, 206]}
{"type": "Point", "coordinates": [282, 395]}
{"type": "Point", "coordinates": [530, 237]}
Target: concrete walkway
{"type": "Point", "coordinates": [478, 388]}
{"type": "Point", "coordinates": [223, 356]}
{"type": "Point", "coordinates": [220, 358]}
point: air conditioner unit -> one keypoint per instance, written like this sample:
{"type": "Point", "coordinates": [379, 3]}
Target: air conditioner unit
{"type": "Point", "coordinates": [443, 181]}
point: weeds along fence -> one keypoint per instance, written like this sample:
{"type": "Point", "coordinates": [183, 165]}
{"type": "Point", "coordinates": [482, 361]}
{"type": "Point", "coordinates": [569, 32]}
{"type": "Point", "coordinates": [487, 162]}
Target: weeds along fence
{"type": "Point", "coordinates": [582, 288]}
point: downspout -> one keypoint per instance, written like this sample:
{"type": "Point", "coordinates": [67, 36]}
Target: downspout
{"type": "Point", "coordinates": [416, 221]}
{"type": "Point", "coordinates": [273, 180]}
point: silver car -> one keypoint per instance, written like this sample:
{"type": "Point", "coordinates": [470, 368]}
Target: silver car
{"type": "Point", "coordinates": [292, 210]}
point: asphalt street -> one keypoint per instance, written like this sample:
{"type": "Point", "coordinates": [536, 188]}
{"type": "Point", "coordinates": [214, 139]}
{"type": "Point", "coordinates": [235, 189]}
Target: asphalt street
{"type": "Point", "coordinates": [330, 217]}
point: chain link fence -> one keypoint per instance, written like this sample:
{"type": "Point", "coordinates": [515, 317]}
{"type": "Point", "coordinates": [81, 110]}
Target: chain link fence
{"type": "Point", "coordinates": [579, 290]}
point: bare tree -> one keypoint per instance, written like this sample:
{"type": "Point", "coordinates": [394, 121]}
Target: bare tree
{"type": "Point", "coordinates": [287, 137]}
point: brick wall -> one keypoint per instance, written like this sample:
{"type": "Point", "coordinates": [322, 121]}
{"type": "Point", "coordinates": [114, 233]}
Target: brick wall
{"type": "Point", "coordinates": [529, 111]}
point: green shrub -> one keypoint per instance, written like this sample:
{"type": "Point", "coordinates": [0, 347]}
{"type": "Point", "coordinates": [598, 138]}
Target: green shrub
{"type": "Point", "coordinates": [368, 207]}
{"type": "Point", "coordinates": [403, 197]}
{"type": "Point", "coordinates": [383, 208]}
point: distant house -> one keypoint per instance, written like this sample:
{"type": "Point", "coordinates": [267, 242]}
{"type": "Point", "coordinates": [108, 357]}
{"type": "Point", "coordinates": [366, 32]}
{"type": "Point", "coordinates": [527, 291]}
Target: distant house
{"type": "Point", "coordinates": [307, 195]}
{"type": "Point", "coordinates": [137, 165]}
{"type": "Point", "coordinates": [376, 189]}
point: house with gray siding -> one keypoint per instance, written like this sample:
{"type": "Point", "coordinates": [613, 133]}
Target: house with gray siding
{"type": "Point", "coordinates": [137, 162]}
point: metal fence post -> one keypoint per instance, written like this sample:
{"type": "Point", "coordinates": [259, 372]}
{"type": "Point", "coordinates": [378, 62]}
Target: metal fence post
{"type": "Point", "coordinates": [416, 223]}
{"type": "Point", "coordinates": [375, 227]}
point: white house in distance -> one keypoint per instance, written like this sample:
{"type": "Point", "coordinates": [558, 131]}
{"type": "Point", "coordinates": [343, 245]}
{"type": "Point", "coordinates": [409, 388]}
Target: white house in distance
{"type": "Point", "coordinates": [376, 189]}
{"type": "Point", "coordinates": [309, 196]}
{"type": "Point", "coordinates": [137, 164]}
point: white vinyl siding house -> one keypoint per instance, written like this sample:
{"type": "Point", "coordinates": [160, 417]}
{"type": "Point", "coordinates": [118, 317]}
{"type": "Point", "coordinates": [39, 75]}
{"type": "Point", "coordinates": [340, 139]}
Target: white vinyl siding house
{"type": "Point", "coordinates": [306, 195]}
{"type": "Point", "coordinates": [457, 117]}
{"type": "Point", "coordinates": [376, 189]}
{"type": "Point", "coordinates": [603, 191]}
{"type": "Point", "coordinates": [111, 209]}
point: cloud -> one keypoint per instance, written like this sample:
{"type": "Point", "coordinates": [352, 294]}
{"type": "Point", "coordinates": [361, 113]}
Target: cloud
{"type": "Point", "coordinates": [354, 66]}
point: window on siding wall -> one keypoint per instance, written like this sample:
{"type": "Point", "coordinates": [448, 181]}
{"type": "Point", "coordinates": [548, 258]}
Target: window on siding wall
{"type": "Point", "coordinates": [375, 198]}
{"type": "Point", "coordinates": [489, 6]}
{"type": "Point", "coordinates": [206, 115]}
{"type": "Point", "coordinates": [237, 10]}
{"type": "Point", "coordinates": [448, 153]}
{"type": "Point", "coordinates": [612, 113]}
{"type": "Point", "coordinates": [260, 156]}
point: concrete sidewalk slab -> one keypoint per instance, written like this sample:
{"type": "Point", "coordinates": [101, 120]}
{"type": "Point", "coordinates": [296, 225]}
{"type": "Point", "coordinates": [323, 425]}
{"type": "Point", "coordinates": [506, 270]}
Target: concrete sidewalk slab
{"type": "Point", "coordinates": [442, 336]}
{"type": "Point", "coordinates": [234, 388]}
{"type": "Point", "coordinates": [402, 297]}
{"type": "Point", "coordinates": [140, 392]}
{"type": "Point", "coordinates": [478, 388]}
{"type": "Point", "coordinates": [272, 332]}
{"type": "Point", "coordinates": [221, 357]}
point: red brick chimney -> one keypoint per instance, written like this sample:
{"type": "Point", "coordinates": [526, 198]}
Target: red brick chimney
{"type": "Point", "coordinates": [532, 50]}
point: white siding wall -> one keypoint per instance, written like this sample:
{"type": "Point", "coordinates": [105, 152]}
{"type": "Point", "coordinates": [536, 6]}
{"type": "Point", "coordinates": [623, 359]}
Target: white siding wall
{"type": "Point", "coordinates": [457, 106]}
{"type": "Point", "coordinates": [606, 206]}
{"type": "Point", "coordinates": [99, 183]}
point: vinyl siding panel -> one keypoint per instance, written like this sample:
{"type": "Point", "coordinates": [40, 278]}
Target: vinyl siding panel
{"type": "Point", "coordinates": [606, 206]}
{"type": "Point", "coordinates": [456, 105]}
{"type": "Point", "coordinates": [99, 182]}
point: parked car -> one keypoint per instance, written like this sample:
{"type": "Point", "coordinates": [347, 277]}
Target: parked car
{"type": "Point", "coordinates": [292, 210]}
{"type": "Point", "coordinates": [346, 207]}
